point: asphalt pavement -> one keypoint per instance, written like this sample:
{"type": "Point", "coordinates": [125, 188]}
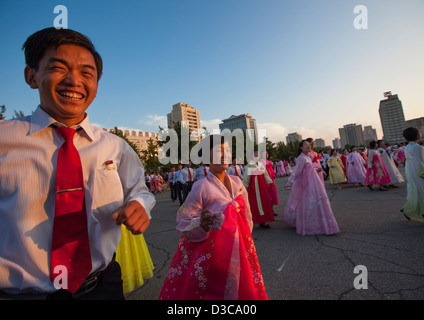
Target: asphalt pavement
{"type": "Point", "coordinates": [378, 254]}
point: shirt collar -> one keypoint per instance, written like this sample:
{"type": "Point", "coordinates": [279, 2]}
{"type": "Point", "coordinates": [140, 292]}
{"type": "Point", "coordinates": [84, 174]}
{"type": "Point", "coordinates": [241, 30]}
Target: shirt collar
{"type": "Point", "coordinates": [41, 120]}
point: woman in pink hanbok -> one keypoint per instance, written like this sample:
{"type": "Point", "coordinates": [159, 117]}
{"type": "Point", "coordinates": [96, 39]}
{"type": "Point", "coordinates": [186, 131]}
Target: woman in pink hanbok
{"type": "Point", "coordinates": [287, 168]}
{"type": "Point", "coordinates": [308, 207]}
{"type": "Point", "coordinates": [280, 169]}
{"type": "Point", "coordinates": [401, 154]}
{"type": "Point", "coordinates": [216, 257]}
{"type": "Point", "coordinates": [272, 189]}
{"type": "Point", "coordinates": [316, 159]}
{"type": "Point", "coordinates": [376, 172]}
{"type": "Point", "coordinates": [356, 171]}
{"type": "Point", "coordinates": [156, 183]}
{"type": "Point", "coordinates": [343, 157]}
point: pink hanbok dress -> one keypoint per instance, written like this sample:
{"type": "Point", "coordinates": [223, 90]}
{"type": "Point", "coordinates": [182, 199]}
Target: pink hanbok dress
{"type": "Point", "coordinates": [308, 207]}
{"type": "Point", "coordinates": [345, 164]}
{"type": "Point", "coordinates": [287, 168]}
{"type": "Point", "coordinates": [355, 171]}
{"type": "Point", "coordinates": [272, 189]}
{"type": "Point", "coordinates": [401, 155]}
{"type": "Point", "coordinates": [156, 184]}
{"type": "Point", "coordinates": [280, 169]}
{"type": "Point", "coordinates": [219, 264]}
{"type": "Point", "coordinates": [376, 171]}
{"type": "Point", "coordinates": [315, 157]}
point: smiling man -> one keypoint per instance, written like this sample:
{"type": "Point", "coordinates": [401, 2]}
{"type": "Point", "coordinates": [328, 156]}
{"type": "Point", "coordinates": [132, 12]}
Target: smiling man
{"type": "Point", "coordinates": [66, 186]}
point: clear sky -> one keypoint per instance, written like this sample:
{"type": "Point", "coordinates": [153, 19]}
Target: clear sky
{"type": "Point", "coordinates": [297, 65]}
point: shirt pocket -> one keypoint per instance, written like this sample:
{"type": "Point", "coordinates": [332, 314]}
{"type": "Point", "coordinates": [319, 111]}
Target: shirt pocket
{"type": "Point", "coordinates": [108, 194]}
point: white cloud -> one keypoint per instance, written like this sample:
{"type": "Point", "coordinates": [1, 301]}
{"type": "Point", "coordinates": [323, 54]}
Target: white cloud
{"type": "Point", "coordinates": [154, 120]}
{"type": "Point", "coordinates": [274, 131]}
{"type": "Point", "coordinates": [210, 124]}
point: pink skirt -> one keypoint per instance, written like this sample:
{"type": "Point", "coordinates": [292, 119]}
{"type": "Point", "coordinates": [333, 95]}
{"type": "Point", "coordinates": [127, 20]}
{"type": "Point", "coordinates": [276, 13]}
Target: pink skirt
{"type": "Point", "coordinates": [377, 174]}
{"type": "Point", "coordinates": [200, 270]}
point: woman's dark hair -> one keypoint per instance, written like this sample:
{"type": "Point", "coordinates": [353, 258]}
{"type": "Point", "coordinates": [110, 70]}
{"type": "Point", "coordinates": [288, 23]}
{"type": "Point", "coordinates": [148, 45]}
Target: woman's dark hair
{"type": "Point", "coordinates": [299, 151]}
{"type": "Point", "coordinates": [211, 141]}
{"type": "Point", "coordinates": [410, 133]}
{"type": "Point", "coordinates": [373, 144]}
{"type": "Point", "coordinates": [215, 139]}
{"type": "Point", "coordinates": [36, 45]}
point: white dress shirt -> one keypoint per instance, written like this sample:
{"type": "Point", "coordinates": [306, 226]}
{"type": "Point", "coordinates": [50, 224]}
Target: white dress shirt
{"type": "Point", "coordinates": [113, 175]}
{"type": "Point", "coordinates": [231, 170]}
{"type": "Point", "coordinates": [200, 173]}
{"type": "Point", "coordinates": [184, 176]}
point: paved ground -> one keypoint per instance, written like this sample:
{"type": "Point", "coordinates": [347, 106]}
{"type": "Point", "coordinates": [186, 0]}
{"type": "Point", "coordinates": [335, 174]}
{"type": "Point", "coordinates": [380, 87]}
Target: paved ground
{"type": "Point", "coordinates": [373, 234]}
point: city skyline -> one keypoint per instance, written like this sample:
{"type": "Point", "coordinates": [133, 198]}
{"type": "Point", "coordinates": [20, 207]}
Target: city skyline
{"type": "Point", "coordinates": [295, 66]}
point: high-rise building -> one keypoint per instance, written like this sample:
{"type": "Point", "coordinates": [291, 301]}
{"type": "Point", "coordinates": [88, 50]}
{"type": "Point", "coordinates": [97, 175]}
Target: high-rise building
{"type": "Point", "coordinates": [293, 137]}
{"type": "Point", "coordinates": [336, 143]}
{"type": "Point", "coordinates": [370, 134]}
{"type": "Point", "coordinates": [242, 121]}
{"type": "Point", "coordinates": [320, 143]}
{"type": "Point", "coordinates": [182, 112]}
{"type": "Point", "coordinates": [392, 118]}
{"type": "Point", "coordinates": [351, 134]}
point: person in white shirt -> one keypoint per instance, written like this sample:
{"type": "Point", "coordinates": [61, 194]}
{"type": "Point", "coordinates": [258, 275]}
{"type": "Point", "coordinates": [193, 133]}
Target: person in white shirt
{"type": "Point", "coordinates": [178, 183]}
{"type": "Point", "coordinates": [187, 179]}
{"type": "Point", "coordinates": [147, 180]}
{"type": "Point", "coordinates": [201, 172]}
{"type": "Point", "coordinates": [235, 169]}
{"type": "Point", "coordinates": [172, 184]}
{"type": "Point", "coordinates": [65, 68]}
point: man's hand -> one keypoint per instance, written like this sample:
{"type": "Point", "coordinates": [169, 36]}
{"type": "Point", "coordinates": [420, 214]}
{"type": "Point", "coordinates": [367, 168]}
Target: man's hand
{"type": "Point", "coordinates": [133, 216]}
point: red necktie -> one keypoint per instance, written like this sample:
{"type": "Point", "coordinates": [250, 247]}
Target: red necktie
{"type": "Point", "coordinates": [189, 174]}
{"type": "Point", "coordinates": [206, 173]}
{"type": "Point", "coordinates": [235, 169]}
{"type": "Point", "coordinates": [70, 244]}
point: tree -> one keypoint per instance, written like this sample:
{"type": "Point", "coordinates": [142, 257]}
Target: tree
{"type": "Point", "coordinates": [149, 157]}
{"type": "Point", "coordinates": [16, 114]}
{"type": "Point", "coordinates": [271, 149]}
{"type": "Point", "coordinates": [2, 112]}
{"type": "Point", "coordinates": [119, 133]}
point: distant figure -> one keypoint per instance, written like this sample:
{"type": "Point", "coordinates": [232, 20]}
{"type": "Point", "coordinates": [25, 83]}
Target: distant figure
{"type": "Point", "coordinates": [356, 171]}
{"type": "Point", "coordinates": [395, 175]}
{"type": "Point", "coordinates": [336, 167]}
{"type": "Point", "coordinates": [376, 172]}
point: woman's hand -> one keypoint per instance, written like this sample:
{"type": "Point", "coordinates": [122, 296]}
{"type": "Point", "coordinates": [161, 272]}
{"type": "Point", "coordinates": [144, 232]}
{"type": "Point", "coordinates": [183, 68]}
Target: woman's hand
{"type": "Point", "coordinates": [206, 220]}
